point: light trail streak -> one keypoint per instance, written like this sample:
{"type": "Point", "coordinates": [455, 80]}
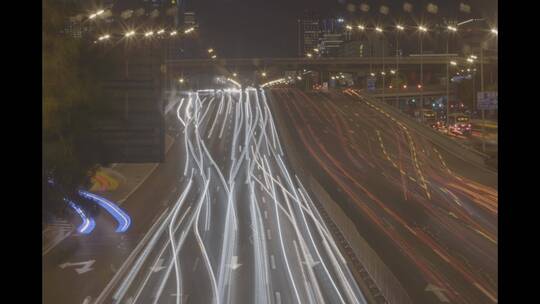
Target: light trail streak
{"type": "Point", "coordinates": [289, 272]}
{"type": "Point", "coordinates": [88, 224]}
{"type": "Point", "coordinates": [123, 219]}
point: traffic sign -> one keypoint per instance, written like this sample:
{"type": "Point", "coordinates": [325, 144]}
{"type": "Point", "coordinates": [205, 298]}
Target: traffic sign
{"type": "Point", "coordinates": [487, 100]}
{"type": "Point", "coordinates": [371, 84]}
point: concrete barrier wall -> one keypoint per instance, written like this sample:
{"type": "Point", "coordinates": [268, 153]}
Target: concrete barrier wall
{"type": "Point", "coordinates": [388, 284]}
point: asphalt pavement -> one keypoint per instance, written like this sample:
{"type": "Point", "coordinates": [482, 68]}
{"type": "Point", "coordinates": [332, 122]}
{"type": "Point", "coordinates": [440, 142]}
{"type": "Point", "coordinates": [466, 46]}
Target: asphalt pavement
{"type": "Point", "coordinates": [224, 220]}
{"type": "Point", "coordinates": [429, 214]}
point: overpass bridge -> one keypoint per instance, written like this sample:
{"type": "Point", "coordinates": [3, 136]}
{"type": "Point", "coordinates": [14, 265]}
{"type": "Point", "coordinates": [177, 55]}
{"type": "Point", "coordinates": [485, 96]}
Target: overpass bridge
{"type": "Point", "coordinates": [343, 64]}
{"type": "Point", "coordinates": [409, 92]}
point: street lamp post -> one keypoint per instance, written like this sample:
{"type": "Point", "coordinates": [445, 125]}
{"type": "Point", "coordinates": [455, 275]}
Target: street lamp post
{"type": "Point", "coordinates": [383, 74]}
{"type": "Point", "coordinates": [482, 89]}
{"type": "Point", "coordinates": [422, 30]}
{"type": "Point", "coordinates": [398, 29]}
{"type": "Point", "coordinates": [451, 29]}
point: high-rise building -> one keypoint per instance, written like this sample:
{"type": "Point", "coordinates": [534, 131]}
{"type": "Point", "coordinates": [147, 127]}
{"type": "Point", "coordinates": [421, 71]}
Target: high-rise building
{"type": "Point", "coordinates": [329, 44]}
{"type": "Point", "coordinates": [308, 33]}
{"type": "Point", "coordinates": [189, 19]}
{"type": "Point", "coordinates": [332, 25]}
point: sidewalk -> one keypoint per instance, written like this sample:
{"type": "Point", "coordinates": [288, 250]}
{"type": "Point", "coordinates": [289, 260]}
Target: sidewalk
{"type": "Point", "coordinates": [54, 233]}
{"type": "Point", "coordinates": [116, 184]}
{"type": "Point", "coordinates": [128, 177]}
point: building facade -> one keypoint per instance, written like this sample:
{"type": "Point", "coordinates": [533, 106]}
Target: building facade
{"type": "Point", "coordinates": [308, 33]}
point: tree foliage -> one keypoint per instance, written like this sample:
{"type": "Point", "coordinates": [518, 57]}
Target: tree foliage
{"type": "Point", "coordinates": [70, 88]}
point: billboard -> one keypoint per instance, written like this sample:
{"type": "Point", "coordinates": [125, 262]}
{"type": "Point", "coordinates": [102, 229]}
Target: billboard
{"type": "Point", "coordinates": [487, 100]}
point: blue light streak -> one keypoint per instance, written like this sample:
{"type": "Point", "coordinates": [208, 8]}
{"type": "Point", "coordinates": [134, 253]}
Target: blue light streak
{"type": "Point", "coordinates": [88, 224]}
{"type": "Point", "coordinates": [123, 219]}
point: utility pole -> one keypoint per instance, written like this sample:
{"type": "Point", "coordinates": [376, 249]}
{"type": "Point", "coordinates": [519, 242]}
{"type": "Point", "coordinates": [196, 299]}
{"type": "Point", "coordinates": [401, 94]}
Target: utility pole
{"type": "Point", "coordinates": [383, 67]}
{"type": "Point", "coordinates": [397, 70]}
{"type": "Point", "coordinates": [482, 89]}
{"type": "Point", "coordinates": [421, 79]}
{"type": "Point", "coordinates": [447, 91]}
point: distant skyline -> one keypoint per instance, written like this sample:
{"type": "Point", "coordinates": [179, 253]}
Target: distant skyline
{"type": "Point", "coordinates": [249, 28]}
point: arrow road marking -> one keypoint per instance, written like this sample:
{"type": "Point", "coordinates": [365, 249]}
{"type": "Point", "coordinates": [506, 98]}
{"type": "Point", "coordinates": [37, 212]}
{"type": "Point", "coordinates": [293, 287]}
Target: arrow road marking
{"type": "Point", "coordinates": [234, 263]}
{"type": "Point", "coordinates": [309, 261]}
{"type": "Point", "coordinates": [158, 266]}
{"type": "Point", "coordinates": [87, 266]}
{"type": "Point", "coordinates": [438, 292]}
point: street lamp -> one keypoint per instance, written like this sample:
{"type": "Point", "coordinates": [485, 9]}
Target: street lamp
{"type": "Point", "coordinates": [94, 15]}
{"type": "Point", "coordinates": [181, 80]}
{"type": "Point", "coordinates": [309, 55]}
{"type": "Point", "coordinates": [129, 34]}
{"type": "Point", "coordinates": [399, 28]}
{"type": "Point", "coordinates": [214, 56]}
{"type": "Point", "coordinates": [161, 31]}
{"type": "Point", "coordinates": [450, 29]}
{"type": "Point", "coordinates": [422, 29]}
{"type": "Point", "coordinates": [149, 34]}
{"type": "Point", "coordinates": [348, 27]}
{"type": "Point", "coordinates": [210, 51]}
{"type": "Point", "coordinates": [361, 27]}
{"type": "Point", "coordinates": [234, 74]}
{"type": "Point", "coordinates": [380, 30]}
{"type": "Point", "coordinates": [495, 32]}
{"type": "Point", "coordinates": [263, 74]}
{"type": "Point", "coordinates": [173, 33]}
{"type": "Point", "coordinates": [107, 36]}
{"type": "Point", "coordinates": [189, 30]}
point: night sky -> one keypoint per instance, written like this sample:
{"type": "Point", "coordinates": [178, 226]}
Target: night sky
{"type": "Point", "coordinates": [268, 28]}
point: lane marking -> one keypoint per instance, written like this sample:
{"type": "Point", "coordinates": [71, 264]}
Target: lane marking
{"type": "Point", "coordinates": [272, 261]}
{"type": "Point", "coordinates": [278, 297]}
{"type": "Point", "coordinates": [195, 264]}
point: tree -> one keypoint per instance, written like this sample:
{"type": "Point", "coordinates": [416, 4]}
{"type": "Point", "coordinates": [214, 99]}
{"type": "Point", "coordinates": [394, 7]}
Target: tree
{"type": "Point", "coordinates": [69, 89]}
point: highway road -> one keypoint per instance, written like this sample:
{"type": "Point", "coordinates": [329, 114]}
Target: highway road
{"type": "Point", "coordinates": [224, 220]}
{"type": "Point", "coordinates": [429, 214]}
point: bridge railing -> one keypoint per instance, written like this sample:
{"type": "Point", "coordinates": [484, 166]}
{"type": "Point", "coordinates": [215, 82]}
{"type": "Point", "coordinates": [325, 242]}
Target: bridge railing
{"type": "Point", "coordinates": [404, 60]}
